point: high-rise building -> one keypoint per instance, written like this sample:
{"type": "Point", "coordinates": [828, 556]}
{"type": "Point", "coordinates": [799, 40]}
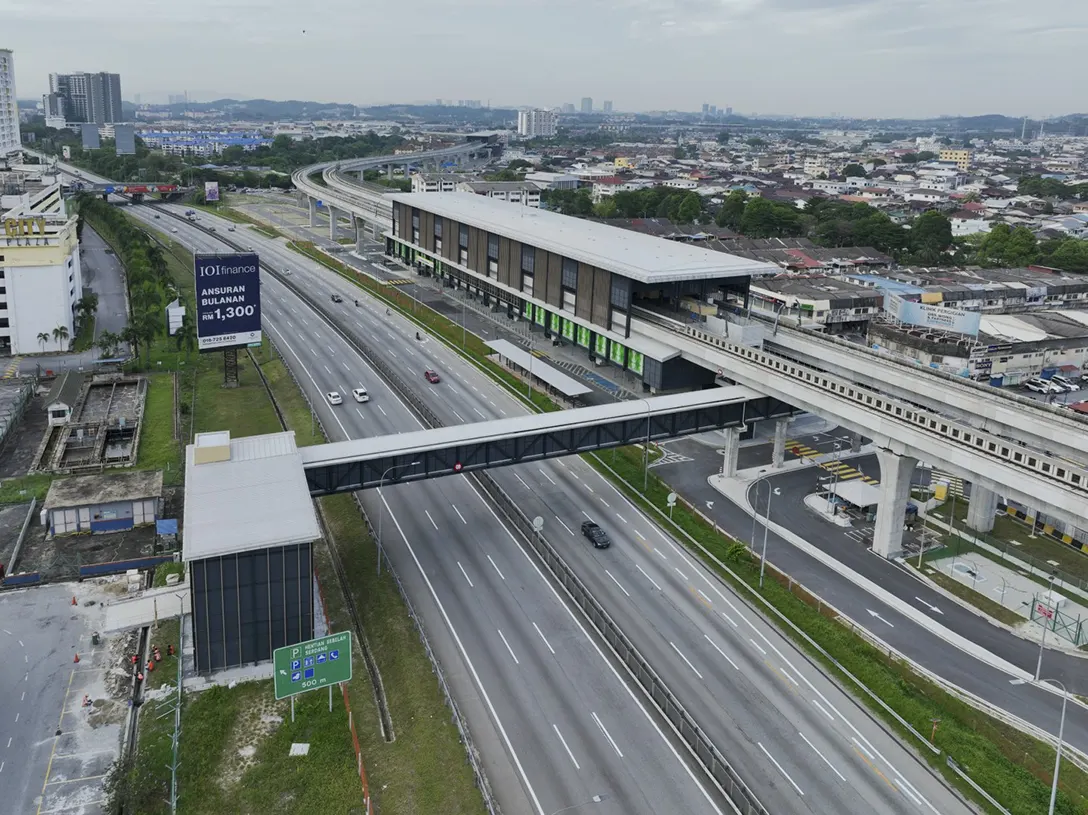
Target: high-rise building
{"type": "Point", "coordinates": [9, 110]}
{"type": "Point", "coordinates": [55, 106]}
{"type": "Point", "coordinates": [568, 107]}
{"type": "Point", "coordinates": [729, 111]}
{"type": "Point", "coordinates": [706, 108]}
{"type": "Point", "coordinates": [587, 104]}
{"type": "Point", "coordinates": [713, 110]}
{"type": "Point", "coordinates": [607, 105]}
{"type": "Point", "coordinates": [89, 97]}
{"type": "Point", "coordinates": [537, 123]}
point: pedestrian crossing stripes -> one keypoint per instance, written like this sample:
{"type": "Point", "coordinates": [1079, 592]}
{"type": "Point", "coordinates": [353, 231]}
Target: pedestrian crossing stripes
{"type": "Point", "coordinates": [12, 370]}
{"type": "Point", "coordinates": [539, 354]}
{"type": "Point", "coordinates": [842, 470]}
{"type": "Point", "coordinates": [400, 281]}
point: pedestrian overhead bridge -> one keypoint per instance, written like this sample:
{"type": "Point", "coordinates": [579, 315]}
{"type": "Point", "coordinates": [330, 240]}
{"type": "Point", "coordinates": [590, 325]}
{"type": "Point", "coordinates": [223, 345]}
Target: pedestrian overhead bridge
{"type": "Point", "coordinates": [363, 463]}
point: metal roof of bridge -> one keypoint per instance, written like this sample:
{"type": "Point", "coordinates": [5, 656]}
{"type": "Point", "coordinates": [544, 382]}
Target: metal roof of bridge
{"type": "Point", "coordinates": [568, 386]}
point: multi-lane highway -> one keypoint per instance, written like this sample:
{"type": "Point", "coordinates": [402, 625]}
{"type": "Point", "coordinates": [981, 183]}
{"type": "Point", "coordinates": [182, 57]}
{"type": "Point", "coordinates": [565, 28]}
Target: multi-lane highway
{"type": "Point", "coordinates": [571, 725]}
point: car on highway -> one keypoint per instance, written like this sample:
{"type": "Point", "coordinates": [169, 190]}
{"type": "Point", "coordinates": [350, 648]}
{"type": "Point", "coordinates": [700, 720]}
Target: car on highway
{"type": "Point", "coordinates": [173, 229]}
{"type": "Point", "coordinates": [597, 536]}
{"type": "Point", "coordinates": [336, 298]}
{"type": "Point", "coordinates": [156, 216]}
{"type": "Point", "coordinates": [287, 272]}
{"type": "Point", "coordinates": [211, 229]}
{"type": "Point", "coordinates": [431, 377]}
{"type": "Point", "coordinates": [230, 229]}
{"type": "Point", "coordinates": [360, 395]}
{"type": "Point", "coordinates": [334, 398]}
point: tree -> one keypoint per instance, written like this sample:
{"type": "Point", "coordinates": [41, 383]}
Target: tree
{"type": "Point", "coordinates": [754, 141]}
{"type": "Point", "coordinates": [854, 171]}
{"type": "Point", "coordinates": [60, 334]}
{"type": "Point", "coordinates": [606, 208]}
{"type": "Point", "coordinates": [108, 344]}
{"type": "Point", "coordinates": [690, 208]}
{"type": "Point", "coordinates": [1069, 255]}
{"type": "Point", "coordinates": [930, 235]}
{"type": "Point", "coordinates": [766, 219]}
{"type": "Point", "coordinates": [732, 210]}
{"type": "Point", "coordinates": [43, 338]}
{"type": "Point", "coordinates": [185, 338]}
{"type": "Point", "coordinates": [927, 155]}
{"type": "Point", "coordinates": [87, 305]}
{"type": "Point", "coordinates": [722, 138]}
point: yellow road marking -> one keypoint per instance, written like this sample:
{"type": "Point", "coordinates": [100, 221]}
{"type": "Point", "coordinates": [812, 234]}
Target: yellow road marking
{"type": "Point", "coordinates": [53, 752]}
{"type": "Point", "coordinates": [875, 770]}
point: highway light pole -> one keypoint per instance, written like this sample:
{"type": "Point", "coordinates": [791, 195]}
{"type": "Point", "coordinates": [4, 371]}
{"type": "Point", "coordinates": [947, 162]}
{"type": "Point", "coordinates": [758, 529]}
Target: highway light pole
{"type": "Point", "coordinates": [596, 799]}
{"type": "Point", "coordinates": [1061, 733]}
{"type": "Point", "coordinates": [646, 450]}
{"type": "Point", "coordinates": [381, 506]}
{"type": "Point", "coordinates": [1046, 620]}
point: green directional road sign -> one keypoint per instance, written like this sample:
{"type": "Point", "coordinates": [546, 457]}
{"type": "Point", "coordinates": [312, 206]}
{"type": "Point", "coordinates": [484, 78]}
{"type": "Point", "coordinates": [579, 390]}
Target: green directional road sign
{"type": "Point", "coordinates": [312, 664]}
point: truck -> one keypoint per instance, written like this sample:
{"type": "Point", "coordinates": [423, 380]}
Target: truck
{"type": "Point", "coordinates": [190, 214]}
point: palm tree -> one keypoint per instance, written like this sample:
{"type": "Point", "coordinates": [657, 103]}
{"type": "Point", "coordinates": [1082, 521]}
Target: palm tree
{"type": "Point", "coordinates": [43, 338]}
{"type": "Point", "coordinates": [185, 337]}
{"type": "Point", "coordinates": [87, 305]}
{"type": "Point", "coordinates": [60, 334]}
{"type": "Point", "coordinates": [107, 343]}
{"type": "Point", "coordinates": [132, 336]}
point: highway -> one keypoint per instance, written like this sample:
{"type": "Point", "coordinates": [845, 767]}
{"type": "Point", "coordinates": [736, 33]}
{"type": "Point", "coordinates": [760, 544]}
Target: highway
{"type": "Point", "coordinates": [801, 743]}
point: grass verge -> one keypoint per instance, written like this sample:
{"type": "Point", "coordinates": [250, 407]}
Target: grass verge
{"type": "Point", "coordinates": [158, 448]}
{"type": "Point", "coordinates": [22, 489]}
{"type": "Point", "coordinates": [1013, 767]}
{"type": "Point", "coordinates": [990, 608]}
{"type": "Point", "coordinates": [164, 570]}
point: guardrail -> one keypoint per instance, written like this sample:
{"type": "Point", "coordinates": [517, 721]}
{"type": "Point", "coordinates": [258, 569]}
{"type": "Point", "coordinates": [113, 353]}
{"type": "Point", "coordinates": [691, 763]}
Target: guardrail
{"type": "Point", "coordinates": [959, 435]}
{"type": "Point", "coordinates": [118, 566]}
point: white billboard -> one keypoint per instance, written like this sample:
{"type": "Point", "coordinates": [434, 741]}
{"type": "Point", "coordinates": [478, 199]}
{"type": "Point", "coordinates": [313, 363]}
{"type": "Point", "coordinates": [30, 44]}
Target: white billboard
{"type": "Point", "coordinates": [211, 190]}
{"type": "Point", "coordinates": [936, 317]}
{"type": "Point", "coordinates": [66, 151]}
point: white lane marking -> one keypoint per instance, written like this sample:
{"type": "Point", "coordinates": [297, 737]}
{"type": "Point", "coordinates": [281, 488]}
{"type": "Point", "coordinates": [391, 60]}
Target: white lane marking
{"type": "Point", "coordinates": [586, 514]}
{"type": "Point", "coordinates": [429, 518]}
{"type": "Point", "coordinates": [681, 655]}
{"type": "Point", "coordinates": [606, 503]}
{"type": "Point", "coordinates": [462, 568]}
{"type": "Point", "coordinates": [822, 709]}
{"type": "Point", "coordinates": [728, 619]}
{"type": "Point", "coordinates": [569, 753]}
{"type": "Point", "coordinates": [382, 410]}
{"type": "Point", "coordinates": [913, 792]}
{"type": "Point", "coordinates": [612, 668]}
{"type": "Point", "coordinates": [458, 415]}
{"type": "Point", "coordinates": [330, 349]}
{"type": "Point", "coordinates": [287, 345]}
{"type": "Point", "coordinates": [496, 567]}
{"type": "Point", "coordinates": [862, 746]}
{"type": "Point", "coordinates": [821, 755]}
{"type": "Point", "coordinates": [757, 646]}
{"type": "Point", "coordinates": [564, 525]}
{"type": "Point", "coordinates": [513, 656]}
{"type": "Point", "coordinates": [559, 461]}
{"type": "Point", "coordinates": [788, 676]}
{"type": "Point", "coordinates": [660, 554]}
{"type": "Point", "coordinates": [614, 580]}
{"type": "Point", "coordinates": [683, 576]}
{"type": "Point", "coordinates": [519, 478]}
{"type": "Point", "coordinates": [394, 353]}
{"type": "Point", "coordinates": [905, 790]}
{"type": "Point", "coordinates": [472, 668]}
{"type": "Point", "coordinates": [361, 416]}
{"type": "Point", "coordinates": [589, 488]}
{"type": "Point", "coordinates": [641, 536]}
{"type": "Point", "coordinates": [720, 651]}
{"type": "Point", "coordinates": [21, 644]}
{"type": "Point", "coordinates": [312, 351]}
{"type": "Point", "coordinates": [541, 633]}
{"type": "Point", "coordinates": [648, 577]}
{"type": "Point", "coordinates": [346, 366]}
{"type": "Point", "coordinates": [701, 594]}
{"type": "Point", "coordinates": [779, 766]}
{"type": "Point", "coordinates": [475, 389]}
{"type": "Point", "coordinates": [326, 367]}
{"type": "Point", "coordinates": [459, 515]}
{"type": "Point", "coordinates": [545, 475]}
{"type": "Point", "coordinates": [479, 414]}
{"type": "Point", "coordinates": [607, 735]}
{"type": "Point", "coordinates": [622, 519]}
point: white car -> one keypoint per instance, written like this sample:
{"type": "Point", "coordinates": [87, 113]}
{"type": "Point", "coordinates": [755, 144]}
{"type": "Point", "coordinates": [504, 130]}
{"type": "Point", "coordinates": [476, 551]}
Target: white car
{"type": "Point", "coordinates": [1042, 386]}
{"type": "Point", "coordinates": [174, 229]}
{"type": "Point", "coordinates": [334, 398]}
{"type": "Point", "coordinates": [287, 272]}
{"type": "Point", "coordinates": [360, 395]}
{"type": "Point", "coordinates": [230, 229]}
{"type": "Point", "coordinates": [1064, 383]}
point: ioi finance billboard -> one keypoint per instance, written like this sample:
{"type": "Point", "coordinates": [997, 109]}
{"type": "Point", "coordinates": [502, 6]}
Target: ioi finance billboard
{"type": "Point", "coordinates": [228, 301]}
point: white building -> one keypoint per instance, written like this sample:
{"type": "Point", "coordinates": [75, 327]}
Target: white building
{"type": "Point", "coordinates": [437, 182]}
{"type": "Point", "coordinates": [40, 275]}
{"type": "Point", "coordinates": [552, 181]}
{"type": "Point", "coordinates": [525, 193]}
{"type": "Point", "coordinates": [537, 123]}
{"type": "Point", "coordinates": [9, 110]}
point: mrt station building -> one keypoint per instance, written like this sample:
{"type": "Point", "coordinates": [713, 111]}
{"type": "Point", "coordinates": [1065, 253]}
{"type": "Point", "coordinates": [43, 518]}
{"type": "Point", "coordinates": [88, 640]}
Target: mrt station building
{"type": "Point", "coordinates": [580, 282]}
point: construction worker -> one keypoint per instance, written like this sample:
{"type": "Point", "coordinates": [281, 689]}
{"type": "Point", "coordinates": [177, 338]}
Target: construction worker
{"type": "Point", "coordinates": [170, 649]}
{"type": "Point", "coordinates": [150, 665]}
{"type": "Point", "coordinates": [139, 676]}
{"type": "Point", "coordinates": [135, 659]}
{"type": "Point", "coordinates": [158, 655]}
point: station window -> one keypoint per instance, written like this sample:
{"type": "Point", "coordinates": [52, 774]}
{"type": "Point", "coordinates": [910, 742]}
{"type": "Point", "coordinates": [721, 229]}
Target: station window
{"type": "Point", "coordinates": [492, 255]}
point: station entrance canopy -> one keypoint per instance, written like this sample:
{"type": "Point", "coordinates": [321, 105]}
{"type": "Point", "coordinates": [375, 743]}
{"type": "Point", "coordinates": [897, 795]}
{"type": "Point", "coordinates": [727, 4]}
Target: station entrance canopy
{"type": "Point", "coordinates": [362, 463]}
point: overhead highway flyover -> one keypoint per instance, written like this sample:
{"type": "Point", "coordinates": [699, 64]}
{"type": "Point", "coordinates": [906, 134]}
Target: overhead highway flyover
{"type": "Point", "coordinates": [788, 730]}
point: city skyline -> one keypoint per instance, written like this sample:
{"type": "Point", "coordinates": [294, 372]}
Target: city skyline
{"type": "Point", "coordinates": [892, 67]}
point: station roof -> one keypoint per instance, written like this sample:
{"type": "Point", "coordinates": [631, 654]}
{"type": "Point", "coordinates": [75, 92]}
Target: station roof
{"type": "Point", "coordinates": [566, 385]}
{"type": "Point", "coordinates": [89, 490]}
{"type": "Point", "coordinates": [858, 493]}
{"type": "Point", "coordinates": [254, 499]}
{"type": "Point", "coordinates": [631, 254]}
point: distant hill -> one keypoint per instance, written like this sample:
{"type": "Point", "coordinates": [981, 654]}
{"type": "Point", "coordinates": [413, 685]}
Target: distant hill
{"type": "Point", "coordinates": [479, 117]}
{"type": "Point", "coordinates": [268, 109]}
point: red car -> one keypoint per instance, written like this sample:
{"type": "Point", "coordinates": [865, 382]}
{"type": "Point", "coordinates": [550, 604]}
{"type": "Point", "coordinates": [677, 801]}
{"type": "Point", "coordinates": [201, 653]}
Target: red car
{"type": "Point", "coordinates": [431, 377]}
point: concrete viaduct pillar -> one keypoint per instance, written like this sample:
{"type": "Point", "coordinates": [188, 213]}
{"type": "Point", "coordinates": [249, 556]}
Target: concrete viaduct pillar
{"type": "Point", "coordinates": [389, 171]}
{"type": "Point", "coordinates": [778, 454]}
{"type": "Point", "coordinates": [895, 473]}
{"type": "Point", "coordinates": [730, 449]}
{"type": "Point", "coordinates": [313, 211]}
{"type": "Point", "coordinates": [332, 223]}
{"type": "Point", "coordinates": [855, 442]}
{"type": "Point", "coordinates": [981, 509]}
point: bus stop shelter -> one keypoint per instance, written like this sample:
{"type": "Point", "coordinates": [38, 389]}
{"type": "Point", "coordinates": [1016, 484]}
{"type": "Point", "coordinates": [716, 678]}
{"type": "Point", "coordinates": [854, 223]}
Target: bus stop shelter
{"type": "Point", "coordinates": [554, 381]}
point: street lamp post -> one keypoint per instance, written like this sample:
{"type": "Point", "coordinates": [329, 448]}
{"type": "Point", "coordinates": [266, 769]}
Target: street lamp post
{"type": "Point", "coordinates": [1061, 733]}
{"type": "Point", "coordinates": [646, 451]}
{"type": "Point", "coordinates": [596, 799]}
{"type": "Point", "coordinates": [381, 506]}
{"type": "Point", "coordinates": [766, 525]}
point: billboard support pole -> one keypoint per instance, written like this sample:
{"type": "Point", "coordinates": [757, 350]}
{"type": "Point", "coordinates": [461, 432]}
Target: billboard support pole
{"type": "Point", "coordinates": [230, 368]}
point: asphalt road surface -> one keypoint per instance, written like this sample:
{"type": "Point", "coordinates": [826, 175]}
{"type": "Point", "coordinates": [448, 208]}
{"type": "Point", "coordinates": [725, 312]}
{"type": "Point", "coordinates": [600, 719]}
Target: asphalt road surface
{"type": "Point", "coordinates": [102, 274]}
{"type": "Point", "coordinates": [800, 743]}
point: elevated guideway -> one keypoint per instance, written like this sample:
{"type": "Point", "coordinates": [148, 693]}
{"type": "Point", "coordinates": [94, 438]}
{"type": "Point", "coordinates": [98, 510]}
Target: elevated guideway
{"type": "Point", "coordinates": [362, 463]}
{"type": "Point", "coordinates": [904, 432]}
{"type": "Point", "coordinates": [1044, 427]}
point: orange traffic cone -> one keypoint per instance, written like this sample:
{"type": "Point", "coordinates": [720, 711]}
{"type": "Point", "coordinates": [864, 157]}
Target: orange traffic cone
{"type": "Point", "coordinates": [76, 659]}
{"type": "Point", "coordinates": [74, 600]}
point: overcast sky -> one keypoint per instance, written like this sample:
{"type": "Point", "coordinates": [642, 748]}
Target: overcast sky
{"type": "Point", "coordinates": [855, 57]}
